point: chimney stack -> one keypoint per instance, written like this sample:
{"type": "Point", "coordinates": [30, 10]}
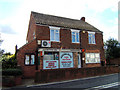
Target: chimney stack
{"type": "Point", "coordinates": [83, 19]}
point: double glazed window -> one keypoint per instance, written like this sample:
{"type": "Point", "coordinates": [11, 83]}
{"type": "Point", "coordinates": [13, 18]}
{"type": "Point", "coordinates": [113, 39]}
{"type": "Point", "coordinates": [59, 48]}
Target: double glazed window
{"type": "Point", "coordinates": [54, 34]}
{"type": "Point", "coordinates": [92, 57]}
{"type": "Point", "coordinates": [75, 36]}
{"type": "Point", "coordinates": [29, 59]}
{"type": "Point", "coordinates": [91, 37]}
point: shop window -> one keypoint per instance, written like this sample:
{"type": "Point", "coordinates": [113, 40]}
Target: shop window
{"type": "Point", "coordinates": [50, 60]}
{"type": "Point", "coordinates": [29, 59]}
{"type": "Point", "coordinates": [51, 56]}
{"type": "Point", "coordinates": [92, 57]}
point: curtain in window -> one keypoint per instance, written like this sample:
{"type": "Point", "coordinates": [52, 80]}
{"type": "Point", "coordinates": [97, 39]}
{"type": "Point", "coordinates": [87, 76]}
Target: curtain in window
{"type": "Point", "coordinates": [73, 36]}
{"type": "Point", "coordinates": [77, 37]}
{"type": "Point", "coordinates": [57, 35]}
{"type": "Point", "coordinates": [91, 38]}
{"type": "Point", "coordinates": [32, 59]}
{"type": "Point", "coordinates": [27, 59]}
{"type": "Point", "coordinates": [51, 35]}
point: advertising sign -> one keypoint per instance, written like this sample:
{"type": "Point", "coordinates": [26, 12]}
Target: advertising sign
{"type": "Point", "coordinates": [50, 64]}
{"type": "Point", "coordinates": [66, 60]}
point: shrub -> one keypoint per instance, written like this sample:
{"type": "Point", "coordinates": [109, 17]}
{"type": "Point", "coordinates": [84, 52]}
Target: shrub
{"type": "Point", "coordinates": [11, 72]}
{"type": "Point", "coordinates": [8, 61]}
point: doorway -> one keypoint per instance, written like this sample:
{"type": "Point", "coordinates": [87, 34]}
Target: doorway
{"type": "Point", "coordinates": [79, 61]}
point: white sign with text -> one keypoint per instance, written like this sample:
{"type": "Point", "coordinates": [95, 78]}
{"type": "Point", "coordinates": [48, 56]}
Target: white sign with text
{"type": "Point", "coordinates": [66, 60]}
{"type": "Point", "coordinates": [50, 64]}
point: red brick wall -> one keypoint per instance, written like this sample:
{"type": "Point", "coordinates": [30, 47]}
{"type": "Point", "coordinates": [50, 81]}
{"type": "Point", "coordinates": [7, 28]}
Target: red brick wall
{"type": "Point", "coordinates": [73, 73]}
{"type": "Point", "coordinates": [43, 33]}
{"type": "Point", "coordinates": [93, 48]}
{"type": "Point", "coordinates": [31, 29]}
{"type": "Point", "coordinates": [28, 71]}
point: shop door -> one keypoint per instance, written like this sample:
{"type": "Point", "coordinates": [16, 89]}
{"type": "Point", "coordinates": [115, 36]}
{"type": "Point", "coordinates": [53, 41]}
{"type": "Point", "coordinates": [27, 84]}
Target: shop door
{"type": "Point", "coordinates": [79, 61]}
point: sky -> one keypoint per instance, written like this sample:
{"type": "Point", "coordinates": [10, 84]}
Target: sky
{"type": "Point", "coordinates": [15, 15]}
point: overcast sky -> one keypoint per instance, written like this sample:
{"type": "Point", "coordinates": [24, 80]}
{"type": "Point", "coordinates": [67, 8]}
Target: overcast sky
{"type": "Point", "coordinates": [15, 15]}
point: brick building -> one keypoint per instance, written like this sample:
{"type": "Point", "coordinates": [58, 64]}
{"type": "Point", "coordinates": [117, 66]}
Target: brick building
{"type": "Point", "coordinates": [56, 42]}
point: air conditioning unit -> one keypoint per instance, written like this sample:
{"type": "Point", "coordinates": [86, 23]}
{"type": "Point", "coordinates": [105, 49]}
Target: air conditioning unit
{"type": "Point", "coordinates": [46, 43]}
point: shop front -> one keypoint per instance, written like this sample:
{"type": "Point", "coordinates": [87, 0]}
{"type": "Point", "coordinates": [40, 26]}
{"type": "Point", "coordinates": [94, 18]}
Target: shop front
{"type": "Point", "coordinates": [57, 58]}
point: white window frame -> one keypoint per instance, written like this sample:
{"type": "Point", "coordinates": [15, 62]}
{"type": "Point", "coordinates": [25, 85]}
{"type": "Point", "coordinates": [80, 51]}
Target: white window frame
{"type": "Point", "coordinates": [89, 60]}
{"type": "Point", "coordinates": [76, 31]}
{"type": "Point", "coordinates": [54, 28]}
{"type": "Point", "coordinates": [28, 59]}
{"type": "Point", "coordinates": [32, 58]}
{"type": "Point", "coordinates": [92, 42]}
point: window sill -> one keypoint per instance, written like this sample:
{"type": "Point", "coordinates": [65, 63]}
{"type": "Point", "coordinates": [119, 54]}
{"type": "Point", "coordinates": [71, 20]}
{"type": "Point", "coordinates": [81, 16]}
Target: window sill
{"type": "Point", "coordinates": [92, 43]}
{"type": "Point", "coordinates": [55, 41]}
{"type": "Point", "coordinates": [29, 64]}
{"type": "Point", "coordinates": [93, 63]}
{"type": "Point", "coordinates": [76, 42]}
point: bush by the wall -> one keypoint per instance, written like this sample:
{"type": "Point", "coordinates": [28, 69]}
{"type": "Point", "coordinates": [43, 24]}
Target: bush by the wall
{"type": "Point", "coordinates": [11, 72]}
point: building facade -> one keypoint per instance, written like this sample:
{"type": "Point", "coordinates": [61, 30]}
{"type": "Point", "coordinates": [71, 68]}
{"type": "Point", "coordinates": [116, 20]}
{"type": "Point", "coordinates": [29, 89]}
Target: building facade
{"type": "Point", "coordinates": [56, 42]}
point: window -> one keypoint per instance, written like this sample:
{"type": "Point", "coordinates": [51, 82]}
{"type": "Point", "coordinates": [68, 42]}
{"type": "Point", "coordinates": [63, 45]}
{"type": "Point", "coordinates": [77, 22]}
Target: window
{"type": "Point", "coordinates": [34, 36]}
{"type": "Point", "coordinates": [51, 56]}
{"type": "Point", "coordinates": [54, 34]}
{"type": "Point", "coordinates": [75, 36]}
{"type": "Point", "coordinates": [29, 59]}
{"type": "Point", "coordinates": [91, 37]}
{"type": "Point", "coordinates": [32, 59]}
{"type": "Point", "coordinates": [92, 57]}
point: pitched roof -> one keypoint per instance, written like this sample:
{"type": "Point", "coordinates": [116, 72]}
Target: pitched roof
{"type": "Point", "coordinates": [62, 22]}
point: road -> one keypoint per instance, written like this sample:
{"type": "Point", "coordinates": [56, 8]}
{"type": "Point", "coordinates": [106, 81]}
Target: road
{"type": "Point", "coordinates": [91, 83]}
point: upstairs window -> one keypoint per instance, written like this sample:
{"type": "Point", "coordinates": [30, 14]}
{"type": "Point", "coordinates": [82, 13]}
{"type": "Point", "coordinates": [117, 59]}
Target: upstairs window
{"type": "Point", "coordinates": [29, 59]}
{"type": "Point", "coordinates": [91, 37]}
{"type": "Point", "coordinates": [75, 36]}
{"type": "Point", "coordinates": [54, 34]}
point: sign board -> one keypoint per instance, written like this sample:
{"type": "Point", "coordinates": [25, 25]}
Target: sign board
{"type": "Point", "coordinates": [66, 60]}
{"type": "Point", "coordinates": [50, 64]}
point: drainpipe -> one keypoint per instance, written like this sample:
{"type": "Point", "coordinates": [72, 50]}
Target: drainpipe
{"type": "Point", "coordinates": [81, 54]}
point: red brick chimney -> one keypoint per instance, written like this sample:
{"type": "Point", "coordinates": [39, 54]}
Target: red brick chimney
{"type": "Point", "coordinates": [83, 19]}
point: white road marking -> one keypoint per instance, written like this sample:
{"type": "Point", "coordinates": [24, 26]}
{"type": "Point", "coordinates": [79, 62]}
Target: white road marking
{"type": "Point", "coordinates": [104, 86]}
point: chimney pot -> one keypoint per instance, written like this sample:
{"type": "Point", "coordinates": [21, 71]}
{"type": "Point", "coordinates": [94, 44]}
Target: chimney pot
{"type": "Point", "coordinates": [83, 19]}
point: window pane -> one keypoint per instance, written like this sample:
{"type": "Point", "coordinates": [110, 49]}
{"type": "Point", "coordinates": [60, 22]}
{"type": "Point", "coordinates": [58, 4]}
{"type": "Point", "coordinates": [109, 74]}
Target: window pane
{"type": "Point", "coordinates": [32, 59]}
{"type": "Point", "coordinates": [89, 38]}
{"type": "Point", "coordinates": [27, 59]}
{"type": "Point", "coordinates": [73, 38]}
{"type": "Point", "coordinates": [92, 55]}
{"type": "Point", "coordinates": [73, 33]}
{"type": "Point", "coordinates": [77, 37]}
{"type": "Point", "coordinates": [97, 55]}
{"type": "Point", "coordinates": [51, 35]}
{"type": "Point", "coordinates": [87, 55]}
{"type": "Point", "coordinates": [93, 38]}
{"type": "Point", "coordinates": [57, 36]}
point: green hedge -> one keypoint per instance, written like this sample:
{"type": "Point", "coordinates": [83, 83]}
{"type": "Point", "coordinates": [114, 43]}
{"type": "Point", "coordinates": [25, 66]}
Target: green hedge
{"type": "Point", "coordinates": [11, 72]}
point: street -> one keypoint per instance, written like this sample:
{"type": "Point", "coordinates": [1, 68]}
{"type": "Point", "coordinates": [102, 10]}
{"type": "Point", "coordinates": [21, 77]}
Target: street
{"type": "Point", "coordinates": [92, 83]}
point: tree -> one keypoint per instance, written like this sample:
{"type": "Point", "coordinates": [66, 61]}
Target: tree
{"type": "Point", "coordinates": [112, 51]}
{"type": "Point", "coordinates": [8, 61]}
{"type": "Point", "coordinates": [1, 51]}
